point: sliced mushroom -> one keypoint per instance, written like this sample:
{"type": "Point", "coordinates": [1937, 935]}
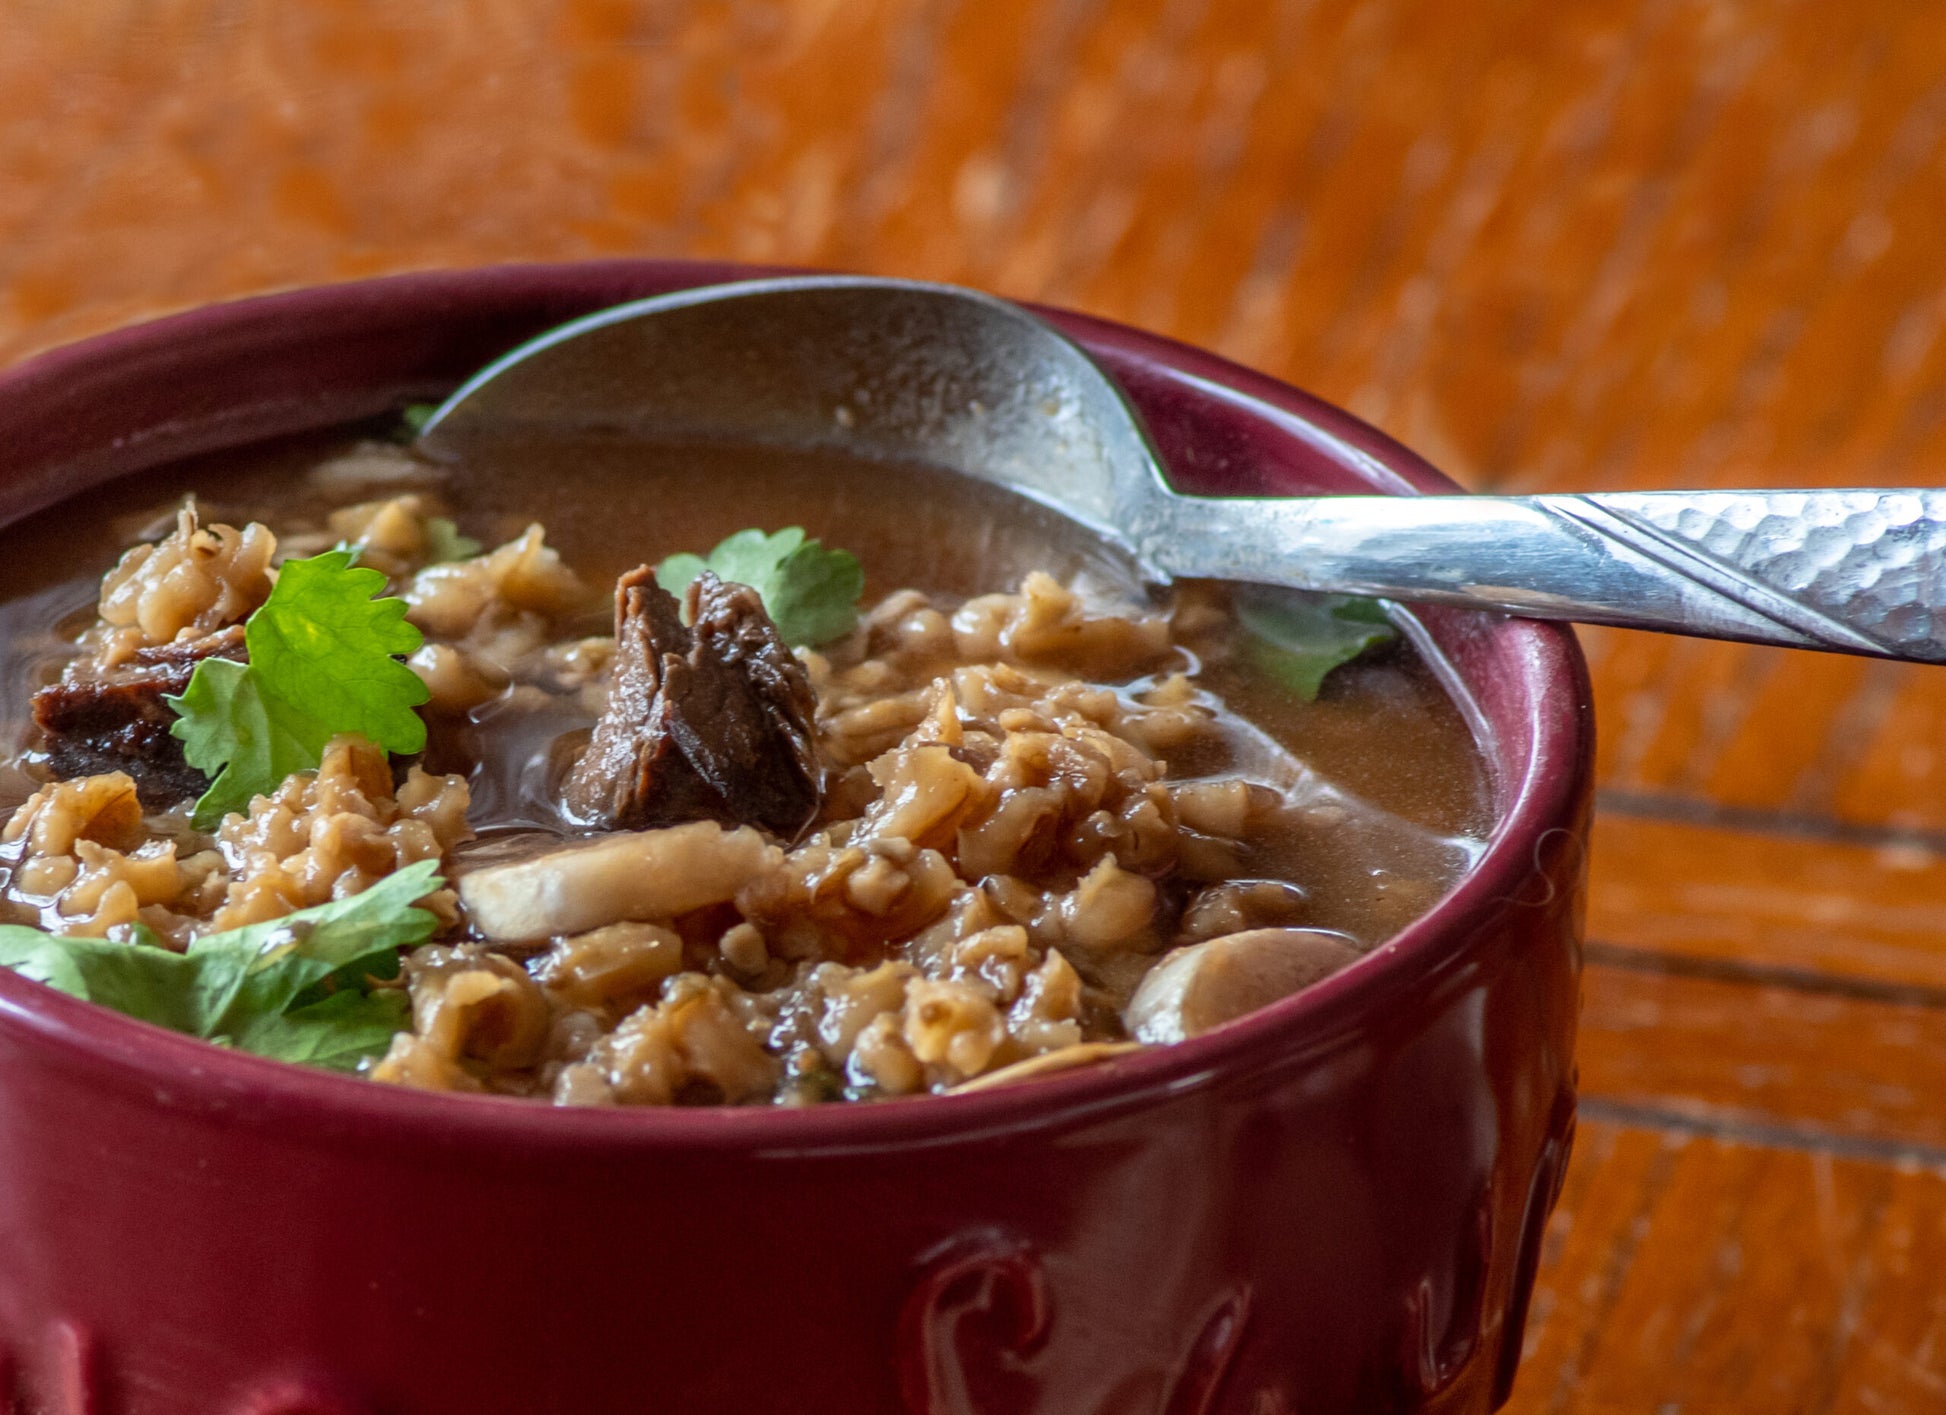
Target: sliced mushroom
{"type": "Point", "coordinates": [1061, 1059]}
{"type": "Point", "coordinates": [645, 874]}
{"type": "Point", "coordinates": [1219, 980]}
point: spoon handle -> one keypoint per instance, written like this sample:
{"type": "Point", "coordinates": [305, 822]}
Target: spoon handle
{"type": "Point", "coordinates": [1859, 572]}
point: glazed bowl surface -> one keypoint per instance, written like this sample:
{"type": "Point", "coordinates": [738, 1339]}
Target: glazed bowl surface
{"type": "Point", "coordinates": [1335, 1204]}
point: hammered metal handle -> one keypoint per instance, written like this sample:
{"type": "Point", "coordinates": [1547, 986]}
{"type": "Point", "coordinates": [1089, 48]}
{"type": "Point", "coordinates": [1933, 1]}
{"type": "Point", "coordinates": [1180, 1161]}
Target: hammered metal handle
{"type": "Point", "coordinates": [1853, 571]}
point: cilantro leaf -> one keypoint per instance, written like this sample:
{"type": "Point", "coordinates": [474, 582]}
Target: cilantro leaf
{"type": "Point", "coordinates": [322, 661]}
{"type": "Point", "coordinates": [339, 1032]}
{"type": "Point", "coordinates": [810, 593]}
{"type": "Point", "coordinates": [816, 594]}
{"type": "Point", "coordinates": [140, 978]}
{"type": "Point", "coordinates": [750, 557]}
{"type": "Point", "coordinates": [323, 641]}
{"type": "Point", "coordinates": [1298, 638]}
{"type": "Point", "coordinates": [245, 740]}
{"type": "Point", "coordinates": [415, 416]}
{"type": "Point", "coordinates": [445, 543]}
{"type": "Point", "coordinates": [676, 571]}
{"type": "Point", "coordinates": [270, 967]}
{"type": "Point", "coordinates": [256, 988]}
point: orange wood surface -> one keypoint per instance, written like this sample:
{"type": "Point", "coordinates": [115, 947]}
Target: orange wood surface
{"type": "Point", "coordinates": [1550, 243]}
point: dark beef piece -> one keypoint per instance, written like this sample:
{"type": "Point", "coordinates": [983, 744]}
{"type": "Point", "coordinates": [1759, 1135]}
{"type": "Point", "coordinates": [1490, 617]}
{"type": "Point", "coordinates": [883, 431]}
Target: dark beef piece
{"type": "Point", "coordinates": [113, 719]}
{"type": "Point", "coordinates": [706, 722]}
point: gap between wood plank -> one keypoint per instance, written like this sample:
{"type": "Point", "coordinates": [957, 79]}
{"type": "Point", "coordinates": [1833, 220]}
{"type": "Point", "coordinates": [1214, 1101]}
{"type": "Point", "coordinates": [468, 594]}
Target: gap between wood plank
{"type": "Point", "coordinates": [1644, 959]}
{"type": "Point", "coordinates": [1808, 1139]}
{"type": "Point", "coordinates": [1693, 810]}
{"type": "Point", "coordinates": [1867, 912]}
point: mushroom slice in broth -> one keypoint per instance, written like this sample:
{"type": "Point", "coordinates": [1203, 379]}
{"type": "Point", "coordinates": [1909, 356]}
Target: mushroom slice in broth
{"type": "Point", "coordinates": [1054, 816]}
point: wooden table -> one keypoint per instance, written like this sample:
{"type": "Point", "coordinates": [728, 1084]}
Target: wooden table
{"type": "Point", "coordinates": [1601, 243]}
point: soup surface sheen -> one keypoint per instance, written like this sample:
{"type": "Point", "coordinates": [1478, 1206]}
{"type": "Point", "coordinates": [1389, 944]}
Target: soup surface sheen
{"type": "Point", "coordinates": [1055, 815]}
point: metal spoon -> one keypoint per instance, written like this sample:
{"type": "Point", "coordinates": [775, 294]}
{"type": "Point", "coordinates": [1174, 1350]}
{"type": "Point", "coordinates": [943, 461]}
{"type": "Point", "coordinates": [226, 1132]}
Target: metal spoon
{"type": "Point", "coordinates": [965, 381]}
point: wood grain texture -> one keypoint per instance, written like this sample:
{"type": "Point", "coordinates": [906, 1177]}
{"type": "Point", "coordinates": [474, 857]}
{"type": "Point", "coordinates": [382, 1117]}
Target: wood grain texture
{"type": "Point", "coordinates": [1685, 1299]}
{"type": "Point", "coordinates": [1609, 243]}
{"type": "Point", "coordinates": [1819, 909]}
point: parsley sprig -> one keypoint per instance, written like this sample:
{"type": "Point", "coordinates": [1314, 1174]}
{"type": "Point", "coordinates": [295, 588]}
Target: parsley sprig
{"type": "Point", "coordinates": [323, 660]}
{"type": "Point", "coordinates": [1299, 637]}
{"type": "Point", "coordinates": [810, 593]}
{"type": "Point", "coordinates": [299, 988]}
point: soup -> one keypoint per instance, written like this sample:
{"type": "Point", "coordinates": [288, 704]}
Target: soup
{"type": "Point", "coordinates": [997, 810]}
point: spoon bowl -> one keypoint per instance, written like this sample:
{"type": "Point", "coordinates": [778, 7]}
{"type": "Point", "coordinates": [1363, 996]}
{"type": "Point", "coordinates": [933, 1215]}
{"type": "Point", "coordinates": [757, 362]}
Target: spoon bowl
{"type": "Point", "coordinates": [964, 381]}
{"type": "Point", "coordinates": [891, 369]}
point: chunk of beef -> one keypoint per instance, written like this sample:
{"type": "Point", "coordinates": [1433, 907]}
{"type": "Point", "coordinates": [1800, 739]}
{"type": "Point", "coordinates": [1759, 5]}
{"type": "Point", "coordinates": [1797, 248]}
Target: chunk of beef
{"type": "Point", "coordinates": [709, 721]}
{"type": "Point", "coordinates": [100, 719]}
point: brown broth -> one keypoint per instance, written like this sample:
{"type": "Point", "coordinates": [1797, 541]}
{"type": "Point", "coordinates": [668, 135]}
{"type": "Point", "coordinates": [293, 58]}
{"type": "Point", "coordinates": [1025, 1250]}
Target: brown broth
{"type": "Point", "coordinates": [1384, 745]}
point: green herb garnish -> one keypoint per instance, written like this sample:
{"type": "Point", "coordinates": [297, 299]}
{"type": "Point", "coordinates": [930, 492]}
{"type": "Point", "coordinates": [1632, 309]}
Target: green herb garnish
{"type": "Point", "coordinates": [445, 543]}
{"type": "Point", "coordinates": [415, 416]}
{"type": "Point", "coordinates": [322, 661]}
{"type": "Point", "coordinates": [296, 988]}
{"type": "Point", "coordinates": [810, 593]}
{"type": "Point", "coordinates": [1298, 638]}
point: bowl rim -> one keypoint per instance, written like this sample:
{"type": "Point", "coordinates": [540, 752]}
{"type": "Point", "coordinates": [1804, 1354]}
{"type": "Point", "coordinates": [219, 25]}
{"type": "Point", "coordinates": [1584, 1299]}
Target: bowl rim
{"type": "Point", "coordinates": [1535, 793]}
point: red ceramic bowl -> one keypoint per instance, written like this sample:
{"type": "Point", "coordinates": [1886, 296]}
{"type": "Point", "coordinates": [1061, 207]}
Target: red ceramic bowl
{"type": "Point", "coordinates": [1333, 1205]}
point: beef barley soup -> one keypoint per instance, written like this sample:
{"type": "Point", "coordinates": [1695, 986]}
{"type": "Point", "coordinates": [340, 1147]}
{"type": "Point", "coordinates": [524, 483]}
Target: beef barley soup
{"type": "Point", "coordinates": [498, 778]}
